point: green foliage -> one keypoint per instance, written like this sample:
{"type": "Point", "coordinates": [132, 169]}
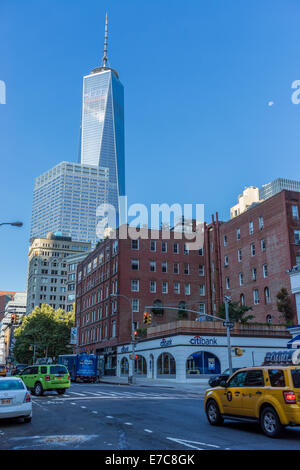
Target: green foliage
{"type": "Point", "coordinates": [284, 305]}
{"type": "Point", "coordinates": [236, 312]}
{"type": "Point", "coordinates": [48, 329]}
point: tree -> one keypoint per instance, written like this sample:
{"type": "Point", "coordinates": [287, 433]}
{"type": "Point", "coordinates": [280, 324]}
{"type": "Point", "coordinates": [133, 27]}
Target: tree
{"type": "Point", "coordinates": [284, 305]}
{"type": "Point", "coordinates": [236, 312]}
{"type": "Point", "coordinates": [46, 328]}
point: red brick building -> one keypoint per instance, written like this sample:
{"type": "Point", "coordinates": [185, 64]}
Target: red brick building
{"type": "Point", "coordinates": [256, 249]}
{"type": "Point", "coordinates": [143, 272]}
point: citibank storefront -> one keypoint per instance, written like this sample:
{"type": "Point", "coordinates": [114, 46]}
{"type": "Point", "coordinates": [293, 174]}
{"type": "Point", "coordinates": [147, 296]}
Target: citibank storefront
{"type": "Point", "coordinates": [188, 358]}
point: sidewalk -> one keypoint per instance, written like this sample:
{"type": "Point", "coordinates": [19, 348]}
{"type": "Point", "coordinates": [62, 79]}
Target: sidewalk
{"type": "Point", "coordinates": [163, 383]}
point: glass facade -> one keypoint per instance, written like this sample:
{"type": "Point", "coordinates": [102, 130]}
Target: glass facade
{"type": "Point", "coordinates": [65, 199]}
{"type": "Point", "coordinates": [269, 189]}
{"type": "Point", "coordinates": [102, 128]}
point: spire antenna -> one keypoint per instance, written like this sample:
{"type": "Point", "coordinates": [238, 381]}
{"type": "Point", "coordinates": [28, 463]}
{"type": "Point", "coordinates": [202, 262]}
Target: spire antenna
{"type": "Point", "coordinates": [105, 59]}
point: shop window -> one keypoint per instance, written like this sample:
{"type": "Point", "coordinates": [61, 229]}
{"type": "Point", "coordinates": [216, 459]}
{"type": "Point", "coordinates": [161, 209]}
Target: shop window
{"type": "Point", "coordinates": [166, 365]}
{"type": "Point", "coordinates": [202, 362]}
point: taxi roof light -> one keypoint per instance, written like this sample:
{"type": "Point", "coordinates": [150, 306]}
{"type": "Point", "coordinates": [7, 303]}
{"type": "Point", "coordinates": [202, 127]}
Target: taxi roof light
{"type": "Point", "coordinates": [283, 357]}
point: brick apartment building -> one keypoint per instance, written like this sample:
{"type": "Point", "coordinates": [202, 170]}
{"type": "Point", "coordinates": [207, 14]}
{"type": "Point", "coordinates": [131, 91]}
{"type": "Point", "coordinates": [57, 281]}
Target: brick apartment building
{"type": "Point", "coordinates": [255, 250]}
{"type": "Point", "coordinates": [157, 271]}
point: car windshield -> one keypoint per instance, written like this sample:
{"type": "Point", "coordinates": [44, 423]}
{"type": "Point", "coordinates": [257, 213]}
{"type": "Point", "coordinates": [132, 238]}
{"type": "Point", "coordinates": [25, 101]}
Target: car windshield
{"type": "Point", "coordinates": [11, 385]}
{"type": "Point", "coordinates": [296, 377]}
{"type": "Point", "coordinates": [58, 370]}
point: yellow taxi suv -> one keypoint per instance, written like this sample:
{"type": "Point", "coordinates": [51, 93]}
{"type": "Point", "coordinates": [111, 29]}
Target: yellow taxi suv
{"type": "Point", "coordinates": [267, 394]}
{"type": "Point", "coordinates": [3, 370]}
{"type": "Point", "coordinates": [40, 378]}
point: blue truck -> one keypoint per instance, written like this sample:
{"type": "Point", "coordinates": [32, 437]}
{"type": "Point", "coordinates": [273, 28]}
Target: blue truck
{"type": "Point", "coordinates": [82, 367]}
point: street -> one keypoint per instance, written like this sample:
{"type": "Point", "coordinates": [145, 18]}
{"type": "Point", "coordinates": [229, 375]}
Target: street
{"type": "Point", "coordinates": [118, 417]}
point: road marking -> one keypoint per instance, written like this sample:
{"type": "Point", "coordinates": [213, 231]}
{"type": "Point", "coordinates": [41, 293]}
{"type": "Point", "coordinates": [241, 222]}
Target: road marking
{"type": "Point", "coordinates": [96, 412]}
{"type": "Point", "coordinates": [84, 407]}
{"type": "Point", "coordinates": [128, 424]}
{"type": "Point", "coordinates": [110, 417]}
{"type": "Point", "coordinates": [147, 430]}
{"type": "Point", "coordinates": [189, 443]}
{"type": "Point", "coordinates": [76, 393]}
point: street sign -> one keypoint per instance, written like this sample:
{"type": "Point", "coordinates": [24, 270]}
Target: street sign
{"type": "Point", "coordinates": [229, 324]}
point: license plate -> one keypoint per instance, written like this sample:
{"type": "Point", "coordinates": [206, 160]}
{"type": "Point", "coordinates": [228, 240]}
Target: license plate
{"type": "Point", "coordinates": [5, 401]}
{"type": "Point", "coordinates": [60, 377]}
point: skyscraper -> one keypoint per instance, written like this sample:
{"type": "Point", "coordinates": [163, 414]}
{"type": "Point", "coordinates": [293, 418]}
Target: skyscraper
{"type": "Point", "coordinates": [102, 125]}
{"type": "Point", "coordinates": [66, 198]}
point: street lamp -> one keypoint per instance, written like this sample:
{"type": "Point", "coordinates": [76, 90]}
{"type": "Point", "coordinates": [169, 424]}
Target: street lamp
{"type": "Point", "coordinates": [226, 323]}
{"type": "Point", "coordinates": [14, 224]}
{"type": "Point", "coordinates": [131, 379]}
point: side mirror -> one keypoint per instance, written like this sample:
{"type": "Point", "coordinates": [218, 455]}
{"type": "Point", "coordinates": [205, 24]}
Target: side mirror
{"type": "Point", "coordinates": [223, 383]}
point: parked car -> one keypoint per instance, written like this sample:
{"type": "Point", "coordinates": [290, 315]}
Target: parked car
{"type": "Point", "coordinates": [15, 400]}
{"type": "Point", "coordinates": [43, 377]}
{"type": "Point", "coordinates": [216, 380]}
{"type": "Point", "coordinates": [3, 370]}
{"type": "Point", "coordinates": [18, 368]}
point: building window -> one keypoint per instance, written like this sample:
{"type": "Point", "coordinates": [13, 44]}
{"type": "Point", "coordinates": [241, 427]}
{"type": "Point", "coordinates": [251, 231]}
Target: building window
{"type": "Point", "coordinates": [113, 328]}
{"type": "Point", "coordinates": [201, 270]}
{"type": "Point", "coordinates": [250, 228]}
{"type": "Point", "coordinates": [297, 236]}
{"type": "Point", "coordinates": [238, 234]}
{"type": "Point", "coordinates": [186, 268]}
{"type": "Point", "coordinates": [267, 295]}
{"type": "Point", "coordinates": [152, 245]}
{"type": "Point", "coordinates": [135, 264]}
{"type": "Point", "coordinates": [176, 248]}
{"type": "Point", "coordinates": [239, 256]}
{"type": "Point", "coordinates": [164, 247]}
{"type": "Point", "coordinates": [241, 279]}
{"type": "Point", "coordinates": [295, 212]}
{"type": "Point", "coordinates": [261, 222]}
{"type": "Point", "coordinates": [135, 285]}
{"type": "Point", "coordinates": [225, 240]}
{"type": "Point", "coordinates": [253, 274]}
{"type": "Point", "coordinates": [164, 287]}
{"type": "Point", "coordinates": [256, 297]}
{"type": "Point", "coordinates": [187, 289]}
{"type": "Point", "coordinates": [226, 261]}
{"type": "Point", "coordinates": [265, 270]}
{"type": "Point", "coordinates": [134, 244]}
{"type": "Point", "coordinates": [152, 286]}
{"type": "Point", "coordinates": [135, 305]}
{"type": "Point", "coordinates": [242, 299]}
{"type": "Point", "coordinates": [176, 268]}
{"type": "Point", "coordinates": [164, 267]}
{"type": "Point", "coordinates": [269, 318]}
{"type": "Point", "coordinates": [202, 289]}
{"type": "Point", "coordinates": [200, 252]}
{"type": "Point", "coordinates": [252, 249]}
{"type": "Point", "coordinates": [153, 266]}
{"type": "Point", "coordinates": [227, 283]}
{"type": "Point", "coordinates": [202, 307]}
{"type": "Point", "coordinates": [176, 288]}
{"type": "Point", "coordinates": [185, 249]}
{"type": "Point", "coordinates": [263, 244]}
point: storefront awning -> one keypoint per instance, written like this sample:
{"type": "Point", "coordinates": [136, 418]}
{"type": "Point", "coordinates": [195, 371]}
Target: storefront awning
{"type": "Point", "coordinates": [294, 343]}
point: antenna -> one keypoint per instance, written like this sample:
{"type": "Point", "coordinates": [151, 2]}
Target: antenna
{"type": "Point", "coordinates": [105, 59]}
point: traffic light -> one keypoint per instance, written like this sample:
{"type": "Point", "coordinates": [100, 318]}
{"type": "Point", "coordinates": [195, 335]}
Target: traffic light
{"type": "Point", "coordinates": [238, 351]}
{"type": "Point", "coordinates": [13, 318]}
{"type": "Point", "coordinates": [147, 318]}
{"type": "Point", "coordinates": [135, 334]}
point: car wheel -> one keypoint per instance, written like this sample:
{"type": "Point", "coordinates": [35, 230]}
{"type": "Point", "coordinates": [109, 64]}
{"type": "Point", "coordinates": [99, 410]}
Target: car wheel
{"type": "Point", "coordinates": [270, 422]}
{"type": "Point", "coordinates": [213, 413]}
{"type": "Point", "coordinates": [61, 391]}
{"type": "Point", "coordinates": [28, 419]}
{"type": "Point", "coordinates": [38, 389]}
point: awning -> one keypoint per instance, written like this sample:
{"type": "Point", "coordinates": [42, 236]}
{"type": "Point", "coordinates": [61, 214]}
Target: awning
{"type": "Point", "coordinates": [294, 343]}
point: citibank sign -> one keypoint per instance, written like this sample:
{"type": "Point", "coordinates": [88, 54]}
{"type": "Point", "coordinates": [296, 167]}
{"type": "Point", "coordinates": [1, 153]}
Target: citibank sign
{"type": "Point", "coordinates": [199, 340]}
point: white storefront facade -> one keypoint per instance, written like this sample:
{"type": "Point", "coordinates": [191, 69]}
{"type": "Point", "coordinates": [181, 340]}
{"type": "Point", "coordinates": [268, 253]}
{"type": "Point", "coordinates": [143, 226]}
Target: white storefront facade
{"type": "Point", "coordinates": [188, 357]}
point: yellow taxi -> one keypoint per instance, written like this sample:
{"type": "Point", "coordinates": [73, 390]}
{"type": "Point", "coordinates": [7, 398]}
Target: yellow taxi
{"type": "Point", "coordinates": [267, 394]}
{"type": "Point", "coordinates": [3, 370]}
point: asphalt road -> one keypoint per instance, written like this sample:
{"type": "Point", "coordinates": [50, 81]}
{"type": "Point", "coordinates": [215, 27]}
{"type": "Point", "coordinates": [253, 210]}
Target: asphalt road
{"type": "Point", "coordinates": [114, 417]}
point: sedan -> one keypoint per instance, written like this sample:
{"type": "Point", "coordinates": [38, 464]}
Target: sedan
{"type": "Point", "coordinates": [215, 381]}
{"type": "Point", "coordinates": [15, 400]}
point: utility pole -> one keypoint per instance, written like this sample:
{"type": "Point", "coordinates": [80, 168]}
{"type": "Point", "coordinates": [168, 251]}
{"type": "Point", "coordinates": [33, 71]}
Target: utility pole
{"type": "Point", "coordinates": [227, 300]}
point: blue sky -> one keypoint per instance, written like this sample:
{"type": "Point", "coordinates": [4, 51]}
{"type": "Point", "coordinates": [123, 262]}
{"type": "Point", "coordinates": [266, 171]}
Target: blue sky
{"type": "Point", "coordinates": [198, 76]}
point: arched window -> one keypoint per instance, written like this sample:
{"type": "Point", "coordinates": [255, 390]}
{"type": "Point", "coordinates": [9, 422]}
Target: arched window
{"type": "Point", "coordinates": [267, 295]}
{"type": "Point", "coordinates": [158, 308]}
{"type": "Point", "coordinates": [202, 362]}
{"type": "Point", "coordinates": [181, 310]}
{"type": "Point", "coordinates": [124, 366]}
{"type": "Point", "coordinates": [166, 365]}
{"type": "Point", "coordinates": [269, 318]}
{"type": "Point", "coordinates": [140, 365]}
{"type": "Point", "coordinates": [242, 299]}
